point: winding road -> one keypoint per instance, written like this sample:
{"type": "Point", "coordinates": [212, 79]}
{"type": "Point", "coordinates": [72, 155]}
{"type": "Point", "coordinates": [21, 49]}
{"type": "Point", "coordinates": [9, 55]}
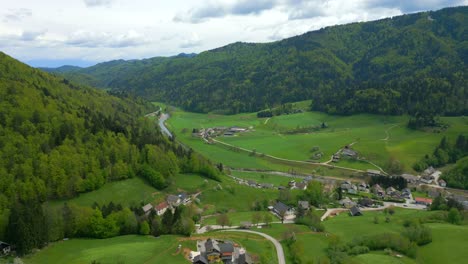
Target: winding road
{"type": "Point", "coordinates": [279, 248]}
{"type": "Point", "coordinates": [163, 127]}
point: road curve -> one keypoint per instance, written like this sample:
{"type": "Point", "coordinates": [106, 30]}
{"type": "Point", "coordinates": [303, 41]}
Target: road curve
{"type": "Point", "coordinates": [163, 127]}
{"type": "Point", "coordinates": [279, 248]}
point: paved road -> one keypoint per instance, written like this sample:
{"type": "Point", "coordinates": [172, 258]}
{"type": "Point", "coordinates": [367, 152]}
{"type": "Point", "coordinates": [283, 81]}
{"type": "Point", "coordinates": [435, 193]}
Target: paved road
{"type": "Point", "coordinates": [163, 127]}
{"type": "Point", "coordinates": [279, 248]}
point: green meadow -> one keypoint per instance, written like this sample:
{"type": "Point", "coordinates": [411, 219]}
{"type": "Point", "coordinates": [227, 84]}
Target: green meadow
{"type": "Point", "coordinates": [122, 249]}
{"type": "Point", "coordinates": [376, 138]}
{"type": "Point", "coordinates": [143, 249]}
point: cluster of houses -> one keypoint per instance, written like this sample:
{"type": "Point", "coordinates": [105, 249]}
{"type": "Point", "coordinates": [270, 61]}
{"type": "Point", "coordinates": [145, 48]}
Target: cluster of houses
{"type": "Point", "coordinates": [171, 202]}
{"type": "Point", "coordinates": [428, 176]}
{"type": "Point", "coordinates": [218, 251]}
{"type": "Point", "coordinates": [391, 192]}
{"type": "Point", "coordinates": [292, 184]}
{"type": "Point", "coordinates": [218, 131]}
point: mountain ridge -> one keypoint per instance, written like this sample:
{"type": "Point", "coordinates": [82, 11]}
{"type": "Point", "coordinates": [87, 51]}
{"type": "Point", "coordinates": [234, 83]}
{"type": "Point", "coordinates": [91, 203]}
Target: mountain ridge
{"type": "Point", "coordinates": [354, 68]}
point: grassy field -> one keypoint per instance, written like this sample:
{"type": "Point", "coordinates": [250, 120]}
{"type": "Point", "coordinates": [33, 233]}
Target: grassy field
{"type": "Point", "coordinates": [348, 227]}
{"type": "Point", "coordinates": [143, 249]}
{"type": "Point", "coordinates": [449, 245]}
{"type": "Point", "coordinates": [127, 192]}
{"type": "Point", "coordinates": [381, 258]}
{"type": "Point", "coordinates": [377, 138]}
{"type": "Point", "coordinates": [123, 249]}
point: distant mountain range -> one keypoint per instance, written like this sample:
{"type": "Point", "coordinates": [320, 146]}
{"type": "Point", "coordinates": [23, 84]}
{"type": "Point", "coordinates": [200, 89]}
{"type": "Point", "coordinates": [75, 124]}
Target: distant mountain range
{"type": "Point", "coordinates": [406, 64]}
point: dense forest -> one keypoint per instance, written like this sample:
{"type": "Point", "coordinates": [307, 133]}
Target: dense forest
{"type": "Point", "coordinates": [406, 64]}
{"type": "Point", "coordinates": [58, 139]}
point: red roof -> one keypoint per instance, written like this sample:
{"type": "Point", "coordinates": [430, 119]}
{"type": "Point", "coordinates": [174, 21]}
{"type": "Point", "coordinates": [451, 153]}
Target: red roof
{"type": "Point", "coordinates": [423, 200]}
{"type": "Point", "coordinates": [161, 206]}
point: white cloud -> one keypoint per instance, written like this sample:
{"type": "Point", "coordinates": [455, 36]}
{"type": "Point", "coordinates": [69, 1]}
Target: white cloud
{"type": "Point", "coordinates": [95, 3]}
{"type": "Point", "coordinates": [17, 14]}
{"type": "Point", "coordinates": [192, 42]}
{"type": "Point", "coordinates": [91, 39]}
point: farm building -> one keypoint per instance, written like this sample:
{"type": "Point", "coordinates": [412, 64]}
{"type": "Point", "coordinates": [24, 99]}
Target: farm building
{"type": "Point", "coordinates": [424, 201]}
{"type": "Point", "coordinates": [355, 211]}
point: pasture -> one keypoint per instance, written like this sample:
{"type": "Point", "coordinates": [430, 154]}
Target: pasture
{"type": "Point", "coordinates": [376, 138]}
{"type": "Point", "coordinates": [123, 249]}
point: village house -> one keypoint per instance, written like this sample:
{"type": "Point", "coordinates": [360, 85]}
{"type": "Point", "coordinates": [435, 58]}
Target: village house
{"type": "Point", "coordinates": [406, 193]}
{"type": "Point", "coordinates": [336, 157]}
{"type": "Point", "coordinates": [366, 202]}
{"type": "Point", "coordinates": [252, 183]}
{"type": "Point", "coordinates": [363, 187]}
{"type": "Point", "coordinates": [266, 185]}
{"type": "Point", "coordinates": [292, 184]}
{"type": "Point", "coordinates": [185, 198]}
{"type": "Point", "coordinates": [427, 179]}
{"type": "Point", "coordinates": [428, 171]}
{"type": "Point", "coordinates": [173, 200]}
{"type": "Point", "coordinates": [373, 173]}
{"type": "Point", "coordinates": [161, 208]}
{"type": "Point", "coordinates": [217, 251]}
{"type": "Point", "coordinates": [348, 152]}
{"type": "Point", "coordinates": [147, 209]}
{"type": "Point", "coordinates": [301, 186]}
{"type": "Point", "coordinates": [355, 211]}
{"type": "Point", "coordinates": [390, 191]}
{"type": "Point", "coordinates": [347, 203]}
{"type": "Point", "coordinates": [377, 190]}
{"type": "Point", "coordinates": [442, 183]}
{"type": "Point", "coordinates": [283, 211]}
{"type": "Point", "coordinates": [423, 201]}
{"type": "Point", "coordinates": [410, 178]}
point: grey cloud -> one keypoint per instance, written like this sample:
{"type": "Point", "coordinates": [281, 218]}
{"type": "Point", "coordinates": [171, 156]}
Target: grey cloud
{"type": "Point", "coordinates": [247, 7]}
{"type": "Point", "coordinates": [96, 3]}
{"type": "Point", "coordinates": [413, 5]}
{"type": "Point", "coordinates": [31, 35]}
{"type": "Point", "coordinates": [301, 9]}
{"type": "Point", "coordinates": [216, 9]}
{"type": "Point", "coordinates": [17, 14]}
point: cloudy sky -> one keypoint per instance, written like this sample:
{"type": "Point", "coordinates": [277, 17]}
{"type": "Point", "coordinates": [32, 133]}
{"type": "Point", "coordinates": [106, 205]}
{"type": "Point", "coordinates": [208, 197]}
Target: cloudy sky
{"type": "Point", "coordinates": [83, 32]}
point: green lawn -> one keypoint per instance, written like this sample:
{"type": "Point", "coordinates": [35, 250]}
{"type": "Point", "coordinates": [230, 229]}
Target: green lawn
{"type": "Point", "coordinates": [127, 192]}
{"type": "Point", "coordinates": [123, 249]}
{"type": "Point", "coordinates": [449, 245]}
{"type": "Point", "coordinates": [377, 138]}
{"type": "Point", "coordinates": [347, 227]}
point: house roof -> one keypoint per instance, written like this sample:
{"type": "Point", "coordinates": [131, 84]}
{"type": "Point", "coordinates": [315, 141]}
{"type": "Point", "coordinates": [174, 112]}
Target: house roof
{"type": "Point", "coordinates": [301, 185]}
{"type": "Point", "coordinates": [211, 245]}
{"type": "Point", "coordinates": [373, 172]}
{"type": "Point", "coordinates": [226, 247]}
{"type": "Point", "coordinates": [200, 259]}
{"type": "Point", "coordinates": [161, 206]}
{"type": "Point", "coordinates": [355, 211]}
{"type": "Point", "coordinates": [366, 202]}
{"type": "Point", "coordinates": [423, 200]}
{"type": "Point", "coordinates": [281, 207]}
{"type": "Point", "coordinates": [183, 196]}
{"type": "Point", "coordinates": [172, 198]}
{"type": "Point", "coordinates": [147, 207]}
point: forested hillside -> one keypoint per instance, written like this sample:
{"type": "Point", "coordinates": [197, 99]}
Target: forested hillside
{"type": "Point", "coordinates": [404, 64]}
{"type": "Point", "coordinates": [58, 139]}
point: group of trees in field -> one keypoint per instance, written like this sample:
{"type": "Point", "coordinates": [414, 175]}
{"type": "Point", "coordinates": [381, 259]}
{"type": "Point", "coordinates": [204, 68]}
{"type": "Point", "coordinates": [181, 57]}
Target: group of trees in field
{"type": "Point", "coordinates": [58, 140]}
{"type": "Point", "coordinates": [446, 152]}
{"type": "Point", "coordinates": [405, 64]}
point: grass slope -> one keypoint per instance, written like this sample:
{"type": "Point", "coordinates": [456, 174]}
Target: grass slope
{"type": "Point", "coordinates": [123, 249]}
